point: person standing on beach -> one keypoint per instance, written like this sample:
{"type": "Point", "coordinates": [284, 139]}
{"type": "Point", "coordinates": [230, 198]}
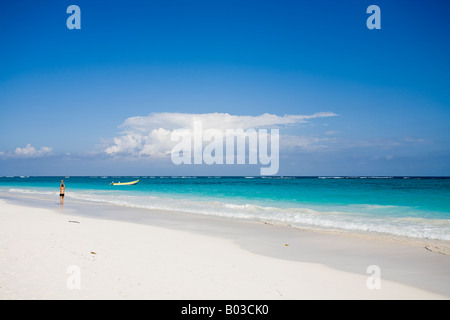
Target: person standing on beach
{"type": "Point", "coordinates": [62, 191]}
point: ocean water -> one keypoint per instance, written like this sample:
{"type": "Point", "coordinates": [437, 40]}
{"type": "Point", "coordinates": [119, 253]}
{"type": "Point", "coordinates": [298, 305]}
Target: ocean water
{"type": "Point", "coordinates": [417, 207]}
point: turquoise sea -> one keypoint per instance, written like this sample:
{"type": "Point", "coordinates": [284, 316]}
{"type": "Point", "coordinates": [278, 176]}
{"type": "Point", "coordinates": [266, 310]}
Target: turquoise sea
{"type": "Point", "coordinates": [417, 207]}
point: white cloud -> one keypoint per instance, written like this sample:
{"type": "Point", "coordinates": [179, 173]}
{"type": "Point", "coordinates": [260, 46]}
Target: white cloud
{"type": "Point", "coordinates": [151, 135]}
{"type": "Point", "coordinates": [31, 152]}
{"type": "Point", "coordinates": [305, 142]}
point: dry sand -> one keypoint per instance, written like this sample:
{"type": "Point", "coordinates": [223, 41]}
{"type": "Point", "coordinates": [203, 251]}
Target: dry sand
{"type": "Point", "coordinates": [50, 254]}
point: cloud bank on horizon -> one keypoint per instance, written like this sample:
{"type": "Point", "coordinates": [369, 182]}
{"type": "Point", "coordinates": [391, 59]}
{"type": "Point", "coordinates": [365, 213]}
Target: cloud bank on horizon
{"type": "Point", "coordinates": [150, 136]}
{"type": "Point", "coordinates": [27, 152]}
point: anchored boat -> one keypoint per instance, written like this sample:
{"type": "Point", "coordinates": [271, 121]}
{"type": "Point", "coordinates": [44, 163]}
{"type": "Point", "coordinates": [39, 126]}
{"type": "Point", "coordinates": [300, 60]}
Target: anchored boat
{"type": "Point", "coordinates": [132, 183]}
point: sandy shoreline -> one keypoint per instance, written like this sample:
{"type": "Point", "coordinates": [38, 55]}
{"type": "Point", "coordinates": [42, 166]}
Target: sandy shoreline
{"type": "Point", "coordinates": [45, 251]}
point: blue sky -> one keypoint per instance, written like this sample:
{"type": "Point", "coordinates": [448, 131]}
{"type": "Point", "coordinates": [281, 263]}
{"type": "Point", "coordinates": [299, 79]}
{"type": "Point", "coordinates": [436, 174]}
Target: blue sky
{"type": "Point", "coordinates": [64, 94]}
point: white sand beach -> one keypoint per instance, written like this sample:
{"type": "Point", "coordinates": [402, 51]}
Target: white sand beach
{"type": "Point", "coordinates": [49, 253]}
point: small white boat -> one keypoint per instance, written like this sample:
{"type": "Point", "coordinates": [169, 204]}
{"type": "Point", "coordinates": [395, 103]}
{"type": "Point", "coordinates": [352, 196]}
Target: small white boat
{"type": "Point", "coordinates": [132, 183]}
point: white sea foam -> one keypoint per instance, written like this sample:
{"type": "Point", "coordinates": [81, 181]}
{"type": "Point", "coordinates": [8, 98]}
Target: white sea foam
{"type": "Point", "coordinates": [411, 227]}
{"type": "Point", "coordinates": [29, 191]}
{"type": "Point", "coordinates": [294, 216]}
